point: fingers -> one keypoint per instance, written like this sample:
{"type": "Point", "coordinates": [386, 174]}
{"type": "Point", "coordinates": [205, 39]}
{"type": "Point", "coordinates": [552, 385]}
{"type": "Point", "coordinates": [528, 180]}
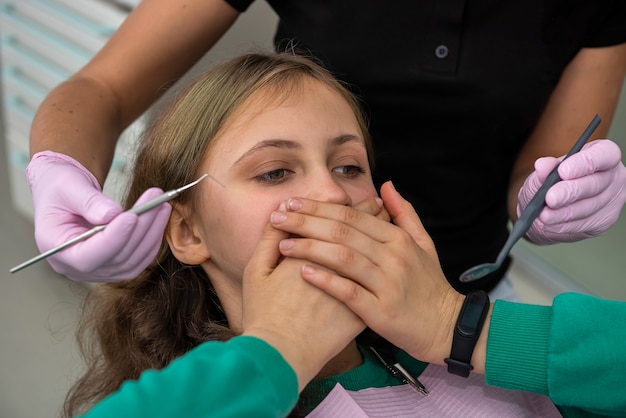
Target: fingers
{"type": "Point", "coordinates": [305, 324]}
{"type": "Point", "coordinates": [321, 220]}
{"type": "Point", "coordinates": [353, 244]}
{"type": "Point", "coordinates": [143, 245]}
{"type": "Point", "coordinates": [122, 250]}
{"type": "Point", "coordinates": [344, 260]}
{"type": "Point", "coordinates": [599, 155]}
{"type": "Point", "coordinates": [390, 296]}
{"type": "Point", "coordinates": [147, 234]}
{"type": "Point", "coordinates": [373, 206]}
{"type": "Point", "coordinates": [575, 211]}
{"type": "Point", "coordinates": [94, 206]}
{"type": "Point", "coordinates": [595, 179]}
{"type": "Point", "coordinates": [49, 175]}
{"type": "Point", "coordinates": [587, 202]}
{"type": "Point", "coordinates": [591, 186]}
{"type": "Point", "coordinates": [352, 294]}
{"type": "Point", "coordinates": [97, 251]}
{"type": "Point", "coordinates": [338, 237]}
{"type": "Point", "coordinates": [543, 167]}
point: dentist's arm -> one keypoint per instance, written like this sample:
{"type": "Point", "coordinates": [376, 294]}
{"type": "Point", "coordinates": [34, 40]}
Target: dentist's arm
{"type": "Point", "coordinates": [75, 130]}
{"type": "Point", "coordinates": [590, 197]}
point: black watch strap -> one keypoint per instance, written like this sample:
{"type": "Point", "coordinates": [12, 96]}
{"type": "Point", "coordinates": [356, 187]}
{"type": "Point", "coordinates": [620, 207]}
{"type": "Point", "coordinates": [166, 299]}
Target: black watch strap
{"type": "Point", "coordinates": [466, 332]}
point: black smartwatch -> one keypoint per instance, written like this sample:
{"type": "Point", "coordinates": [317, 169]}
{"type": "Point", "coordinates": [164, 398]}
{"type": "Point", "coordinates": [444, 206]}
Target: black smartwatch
{"type": "Point", "coordinates": [466, 332]}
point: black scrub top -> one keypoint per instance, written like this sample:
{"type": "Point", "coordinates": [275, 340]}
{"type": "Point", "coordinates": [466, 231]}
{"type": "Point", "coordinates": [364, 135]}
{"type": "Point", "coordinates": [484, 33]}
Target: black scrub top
{"type": "Point", "coordinates": [453, 89]}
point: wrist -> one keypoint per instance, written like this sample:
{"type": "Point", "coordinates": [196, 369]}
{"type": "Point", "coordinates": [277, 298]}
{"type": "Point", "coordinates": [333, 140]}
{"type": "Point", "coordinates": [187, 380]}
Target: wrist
{"type": "Point", "coordinates": [449, 310]}
{"type": "Point", "coordinates": [44, 160]}
{"type": "Point", "coordinates": [303, 364]}
{"type": "Point", "coordinates": [467, 331]}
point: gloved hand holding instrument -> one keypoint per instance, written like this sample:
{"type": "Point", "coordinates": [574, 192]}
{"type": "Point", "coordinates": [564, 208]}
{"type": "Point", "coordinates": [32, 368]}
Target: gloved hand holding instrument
{"type": "Point", "coordinates": [68, 202]}
{"type": "Point", "coordinates": [567, 199]}
{"type": "Point", "coordinates": [588, 200]}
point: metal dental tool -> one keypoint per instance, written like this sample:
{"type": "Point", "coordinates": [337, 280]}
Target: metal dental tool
{"type": "Point", "coordinates": [536, 204]}
{"type": "Point", "coordinates": [151, 204]}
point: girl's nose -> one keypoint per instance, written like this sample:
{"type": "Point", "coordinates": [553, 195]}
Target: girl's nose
{"type": "Point", "coordinates": [326, 188]}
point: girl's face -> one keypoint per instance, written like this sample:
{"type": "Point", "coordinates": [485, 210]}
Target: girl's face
{"type": "Point", "coordinates": [309, 145]}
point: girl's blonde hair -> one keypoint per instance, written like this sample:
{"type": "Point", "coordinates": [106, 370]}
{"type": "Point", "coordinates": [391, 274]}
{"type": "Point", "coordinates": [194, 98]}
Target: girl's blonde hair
{"type": "Point", "coordinates": [145, 323]}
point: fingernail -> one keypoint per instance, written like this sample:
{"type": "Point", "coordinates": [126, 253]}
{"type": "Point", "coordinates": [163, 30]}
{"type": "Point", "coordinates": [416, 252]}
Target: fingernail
{"type": "Point", "coordinates": [286, 244]}
{"type": "Point", "coordinates": [294, 204]}
{"type": "Point", "coordinates": [379, 202]}
{"type": "Point", "coordinates": [308, 269]}
{"type": "Point", "coordinates": [278, 217]}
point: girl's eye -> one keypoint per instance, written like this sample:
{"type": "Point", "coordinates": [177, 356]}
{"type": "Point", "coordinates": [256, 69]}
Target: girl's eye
{"type": "Point", "coordinates": [274, 176]}
{"type": "Point", "coordinates": [350, 170]}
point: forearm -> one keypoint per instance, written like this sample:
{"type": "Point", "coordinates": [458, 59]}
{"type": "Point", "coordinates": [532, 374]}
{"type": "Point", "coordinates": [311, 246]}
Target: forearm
{"type": "Point", "coordinates": [84, 116]}
{"type": "Point", "coordinates": [571, 351]}
{"type": "Point", "coordinates": [247, 372]}
{"type": "Point", "coordinates": [570, 107]}
{"type": "Point", "coordinates": [79, 119]}
{"type": "Point", "coordinates": [516, 347]}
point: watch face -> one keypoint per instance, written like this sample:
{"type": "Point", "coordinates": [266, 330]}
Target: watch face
{"type": "Point", "coordinates": [472, 313]}
{"type": "Point", "coordinates": [469, 319]}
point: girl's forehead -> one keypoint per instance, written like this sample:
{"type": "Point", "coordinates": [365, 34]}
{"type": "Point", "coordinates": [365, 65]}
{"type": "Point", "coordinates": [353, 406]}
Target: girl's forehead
{"type": "Point", "coordinates": [274, 96]}
{"type": "Point", "coordinates": [261, 116]}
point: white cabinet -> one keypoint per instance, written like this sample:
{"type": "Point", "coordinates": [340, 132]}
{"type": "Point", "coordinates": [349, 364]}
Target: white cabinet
{"type": "Point", "coordinates": [43, 42]}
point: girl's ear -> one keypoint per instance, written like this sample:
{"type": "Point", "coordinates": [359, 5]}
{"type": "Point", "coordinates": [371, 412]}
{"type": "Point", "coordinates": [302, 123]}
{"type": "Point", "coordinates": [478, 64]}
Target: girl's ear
{"type": "Point", "coordinates": [186, 244]}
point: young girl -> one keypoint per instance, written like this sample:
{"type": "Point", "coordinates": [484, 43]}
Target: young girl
{"type": "Point", "coordinates": [252, 334]}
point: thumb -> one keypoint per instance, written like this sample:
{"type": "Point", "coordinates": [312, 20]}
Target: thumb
{"type": "Point", "coordinates": [96, 207]}
{"type": "Point", "coordinates": [403, 215]}
{"type": "Point", "coordinates": [544, 166]}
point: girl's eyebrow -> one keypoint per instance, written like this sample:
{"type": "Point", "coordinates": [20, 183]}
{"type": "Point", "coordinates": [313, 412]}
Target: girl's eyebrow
{"type": "Point", "coordinates": [287, 144]}
{"type": "Point", "coordinates": [269, 143]}
{"type": "Point", "coordinates": [340, 140]}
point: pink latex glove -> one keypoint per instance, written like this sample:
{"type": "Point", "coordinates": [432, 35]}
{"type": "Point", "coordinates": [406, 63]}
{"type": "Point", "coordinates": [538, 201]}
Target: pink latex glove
{"type": "Point", "coordinates": [588, 200]}
{"type": "Point", "coordinates": [68, 200]}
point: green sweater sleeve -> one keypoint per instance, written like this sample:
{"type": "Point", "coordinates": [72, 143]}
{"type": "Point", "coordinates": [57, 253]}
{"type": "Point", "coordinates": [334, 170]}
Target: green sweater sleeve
{"type": "Point", "coordinates": [572, 351]}
{"type": "Point", "coordinates": [243, 377]}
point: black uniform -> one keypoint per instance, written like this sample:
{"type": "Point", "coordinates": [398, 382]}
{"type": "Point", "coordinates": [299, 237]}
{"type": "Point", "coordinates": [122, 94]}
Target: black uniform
{"type": "Point", "coordinates": [453, 89]}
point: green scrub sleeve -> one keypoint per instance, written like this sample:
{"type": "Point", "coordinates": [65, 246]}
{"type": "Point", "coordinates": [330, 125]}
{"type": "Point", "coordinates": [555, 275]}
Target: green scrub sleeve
{"type": "Point", "coordinates": [242, 377]}
{"type": "Point", "coordinates": [571, 351]}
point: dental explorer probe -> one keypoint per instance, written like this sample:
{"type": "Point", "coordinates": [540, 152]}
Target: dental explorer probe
{"type": "Point", "coordinates": [151, 204]}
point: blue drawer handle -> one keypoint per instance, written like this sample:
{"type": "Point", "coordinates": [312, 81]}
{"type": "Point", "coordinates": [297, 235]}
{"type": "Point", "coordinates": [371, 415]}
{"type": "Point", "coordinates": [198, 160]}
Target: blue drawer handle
{"type": "Point", "coordinates": [76, 19]}
{"type": "Point", "coordinates": [19, 107]}
{"type": "Point", "coordinates": [12, 46]}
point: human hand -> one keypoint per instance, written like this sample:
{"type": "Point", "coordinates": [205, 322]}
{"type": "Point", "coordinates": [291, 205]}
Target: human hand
{"type": "Point", "coordinates": [375, 207]}
{"type": "Point", "coordinates": [387, 274]}
{"type": "Point", "coordinates": [68, 201]}
{"type": "Point", "coordinates": [588, 200]}
{"type": "Point", "coordinates": [307, 326]}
